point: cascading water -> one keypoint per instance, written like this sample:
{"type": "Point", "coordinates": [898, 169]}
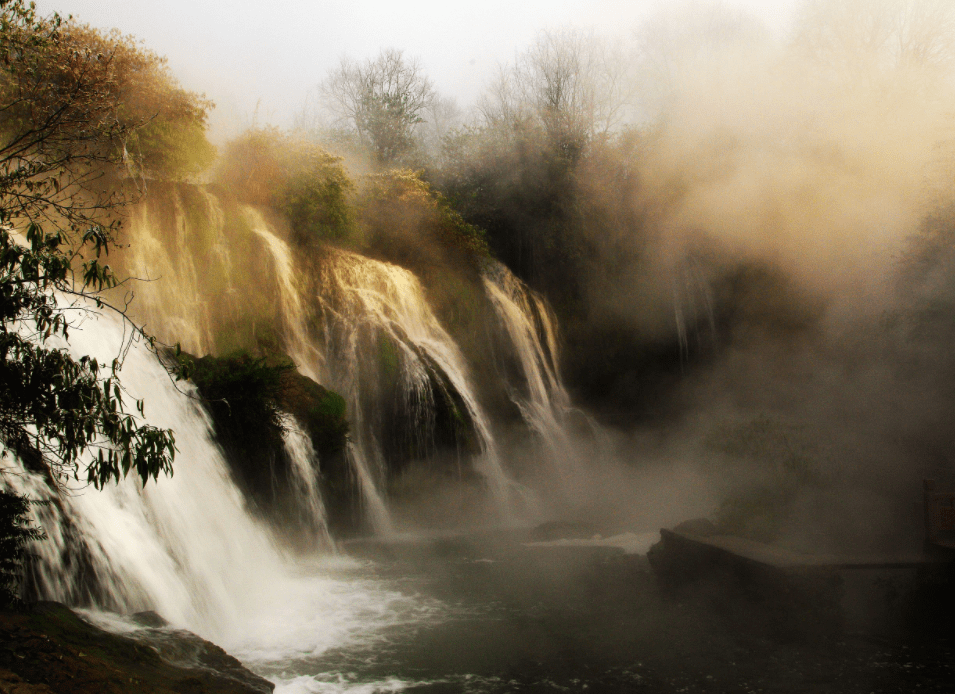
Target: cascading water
{"type": "Point", "coordinates": [185, 546]}
{"type": "Point", "coordinates": [189, 548]}
{"type": "Point", "coordinates": [542, 399]}
{"type": "Point", "coordinates": [365, 312]}
{"type": "Point", "coordinates": [363, 307]}
{"type": "Point", "coordinates": [371, 306]}
{"type": "Point", "coordinates": [304, 468]}
{"type": "Point", "coordinates": [170, 299]}
{"type": "Point", "coordinates": [303, 351]}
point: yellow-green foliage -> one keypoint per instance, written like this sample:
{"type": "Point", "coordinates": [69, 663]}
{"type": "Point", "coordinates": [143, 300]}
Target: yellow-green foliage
{"type": "Point", "coordinates": [173, 149]}
{"type": "Point", "coordinates": [166, 125]}
{"type": "Point", "coordinates": [316, 196]}
{"type": "Point", "coordinates": [398, 210]}
{"type": "Point", "coordinates": [76, 102]}
{"type": "Point", "coordinates": [404, 221]}
{"type": "Point", "coordinates": [270, 168]}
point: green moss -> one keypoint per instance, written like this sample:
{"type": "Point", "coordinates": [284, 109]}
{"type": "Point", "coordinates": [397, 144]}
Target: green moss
{"type": "Point", "coordinates": [388, 361]}
{"type": "Point", "coordinates": [242, 393]}
{"type": "Point", "coordinates": [322, 413]}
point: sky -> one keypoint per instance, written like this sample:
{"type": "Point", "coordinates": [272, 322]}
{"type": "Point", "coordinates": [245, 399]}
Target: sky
{"type": "Point", "coordinates": [257, 61]}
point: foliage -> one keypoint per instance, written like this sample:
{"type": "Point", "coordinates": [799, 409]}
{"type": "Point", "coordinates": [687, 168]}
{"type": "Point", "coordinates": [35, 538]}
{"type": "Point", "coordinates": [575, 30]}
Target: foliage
{"type": "Point", "coordinates": [250, 399]}
{"type": "Point", "coordinates": [15, 532]}
{"type": "Point", "coordinates": [524, 191]}
{"type": "Point", "coordinates": [242, 393]}
{"type": "Point", "coordinates": [315, 199]}
{"type": "Point", "coordinates": [52, 403]}
{"type": "Point", "coordinates": [73, 97]}
{"type": "Point", "coordinates": [172, 150]}
{"type": "Point", "coordinates": [165, 123]}
{"type": "Point", "coordinates": [382, 100]}
{"type": "Point", "coordinates": [72, 102]}
{"type": "Point", "coordinates": [322, 412]}
{"type": "Point", "coordinates": [401, 215]}
{"type": "Point", "coordinates": [858, 34]}
{"type": "Point", "coordinates": [270, 168]}
{"type": "Point", "coordinates": [568, 86]}
{"type": "Point", "coordinates": [62, 129]}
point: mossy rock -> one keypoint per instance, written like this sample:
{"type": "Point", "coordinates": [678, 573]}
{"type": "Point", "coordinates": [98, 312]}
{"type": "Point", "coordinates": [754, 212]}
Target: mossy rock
{"type": "Point", "coordinates": [47, 647]}
{"type": "Point", "coordinates": [250, 398]}
{"type": "Point", "coordinates": [320, 411]}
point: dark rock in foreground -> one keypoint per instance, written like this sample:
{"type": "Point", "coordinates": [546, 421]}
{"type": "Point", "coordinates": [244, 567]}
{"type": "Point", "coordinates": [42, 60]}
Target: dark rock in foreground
{"type": "Point", "coordinates": [46, 647]}
{"type": "Point", "coordinates": [803, 595]}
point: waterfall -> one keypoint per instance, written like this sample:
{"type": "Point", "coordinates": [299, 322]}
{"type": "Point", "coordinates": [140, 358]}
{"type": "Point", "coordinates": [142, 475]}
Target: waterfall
{"type": "Point", "coordinates": [543, 400]}
{"type": "Point", "coordinates": [368, 303]}
{"type": "Point", "coordinates": [304, 468]}
{"type": "Point", "coordinates": [170, 301]}
{"type": "Point", "coordinates": [339, 318]}
{"type": "Point", "coordinates": [303, 351]}
{"type": "Point", "coordinates": [185, 546]}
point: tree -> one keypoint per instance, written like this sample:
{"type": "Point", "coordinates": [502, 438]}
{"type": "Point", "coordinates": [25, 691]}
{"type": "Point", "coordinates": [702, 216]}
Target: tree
{"type": "Point", "coordinates": [65, 126]}
{"type": "Point", "coordinates": [682, 40]}
{"type": "Point", "coordinates": [265, 166]}
{"type": "Point", "coordinates": [569, 85]}
{"type": "Point", "coordinates": [383, 101]}
{"type": "Point", "coordinates": [883, 34]}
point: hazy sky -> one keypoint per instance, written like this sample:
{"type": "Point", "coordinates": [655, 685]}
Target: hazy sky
{"type": "Point", "coordinates": [260, 59]}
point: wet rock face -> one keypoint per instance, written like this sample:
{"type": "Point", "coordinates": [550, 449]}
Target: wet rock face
{"type": "Point", "coordinates": [46, 647]}
{"type": "Point", "coordinates": [766, 590]}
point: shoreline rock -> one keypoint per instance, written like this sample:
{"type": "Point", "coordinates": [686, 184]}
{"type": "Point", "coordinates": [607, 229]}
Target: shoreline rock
{"type": "Point", "coordinates": [46, 647]}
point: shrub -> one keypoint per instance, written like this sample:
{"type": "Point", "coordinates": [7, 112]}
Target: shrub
{"type": "Point", "coordinates": [15, 532]}
{"type": "Point", "coordinates": [298, 178]}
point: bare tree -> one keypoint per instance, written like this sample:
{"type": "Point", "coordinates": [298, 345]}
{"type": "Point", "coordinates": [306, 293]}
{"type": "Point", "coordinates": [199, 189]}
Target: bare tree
{"type": "Point", "coordinates": [571, 84]}
{"type": "Point", "coordinates": [383, 101]}
{"type": "Point", "coordinates": [878, 33]}
{"type": "Point", "coordinates": [684, 38]}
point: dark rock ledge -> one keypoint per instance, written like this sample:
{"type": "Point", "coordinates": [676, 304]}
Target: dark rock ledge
{"type": "Point", "coordinates": [45, 647]}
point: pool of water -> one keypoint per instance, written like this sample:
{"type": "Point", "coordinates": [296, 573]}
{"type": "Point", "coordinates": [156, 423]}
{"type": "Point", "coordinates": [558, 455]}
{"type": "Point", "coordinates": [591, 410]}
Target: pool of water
{"type": "Point", "coordinates": [490, 615]}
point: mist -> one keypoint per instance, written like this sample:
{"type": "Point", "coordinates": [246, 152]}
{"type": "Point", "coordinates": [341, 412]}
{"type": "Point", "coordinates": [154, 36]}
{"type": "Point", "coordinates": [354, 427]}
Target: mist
{"type": "Point", "coordinates": [723, 214]}
{"type": "Point", "coordinates": [783, 186]}
{"type": "Point", "coordinates": [490, 323]}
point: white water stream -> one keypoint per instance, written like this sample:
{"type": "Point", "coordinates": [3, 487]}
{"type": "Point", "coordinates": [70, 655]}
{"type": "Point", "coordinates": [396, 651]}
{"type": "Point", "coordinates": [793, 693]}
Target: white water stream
{"type": "Point", "coordinates": [543, 401]}
{"type": "Point", "coordinates": [303, 351]}
{"type": "Point", "coordinates": [187, 546]}
{"type": "Point", "coordinates": [368, 299]}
